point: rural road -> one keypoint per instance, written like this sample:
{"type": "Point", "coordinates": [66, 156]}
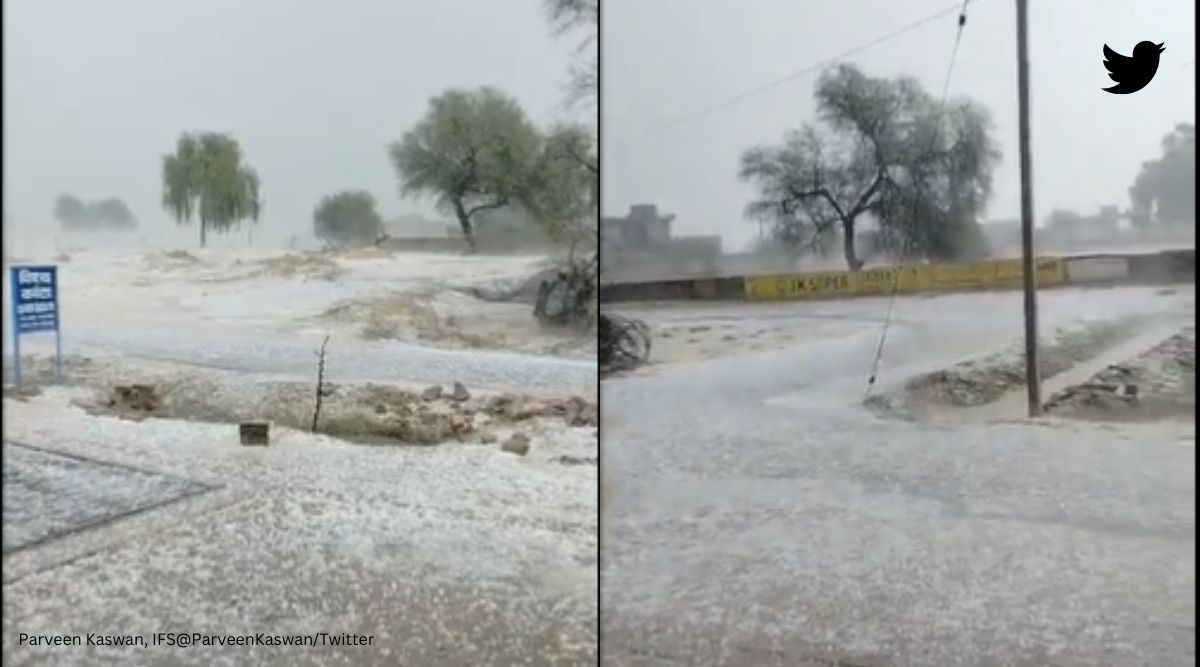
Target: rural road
{"type": "Point", "coordinates": [200, 315]}
{"type": "Point", "coordinates": [761, 517]}
{"type": "Point", "coordinates": [389, 362]}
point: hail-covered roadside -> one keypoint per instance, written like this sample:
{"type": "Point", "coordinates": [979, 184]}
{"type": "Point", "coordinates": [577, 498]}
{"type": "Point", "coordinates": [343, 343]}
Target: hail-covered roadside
{"type": "Point", "coordinates": [461, 553]}
{"type": "Point", "coordinates": [761, 514]}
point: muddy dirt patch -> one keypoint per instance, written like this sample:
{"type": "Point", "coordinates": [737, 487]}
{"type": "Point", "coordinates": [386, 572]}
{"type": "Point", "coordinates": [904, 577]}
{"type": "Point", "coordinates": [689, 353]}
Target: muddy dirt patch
{"type": "Point", "coordinates": [39, 371]}
{"type": "Point", "coordinates": [134, 401]}
{"type": "Point", "coordinates": [310, 266]}
{"type": "Point", "coordinates": [1160, 384]}
{"type": "Point", "coordinates": [171, 260]}
{"type": "Point", "coordinates": [370, 413]}
{"type": "Point", "coordinates": [430, 316]}
{"type": "Point", "coordinates": [575, 411]}
{"type": "Point", "coordinates": [22, 393]}
{"type": "Point", "coordinates": [982, 381]}
{"type": "Point", "coordinates": [408, 316]}
{"type": "Point", "coordinates": [363, 252]}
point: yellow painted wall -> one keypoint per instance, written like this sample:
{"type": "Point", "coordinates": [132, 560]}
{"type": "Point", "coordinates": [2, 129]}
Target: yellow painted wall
{"type": "Point", "coordinates": [996, 274]}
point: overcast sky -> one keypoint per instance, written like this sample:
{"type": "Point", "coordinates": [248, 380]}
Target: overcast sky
{"type": "Point", "coordinates": [665, 59]}
{"type": "Point", "coordinates": [97, 92]}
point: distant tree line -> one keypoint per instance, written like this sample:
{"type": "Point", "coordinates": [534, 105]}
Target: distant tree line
{"type": "Point", "coordinates": [1164, 192]}
{"type": "Point", "coordinates": [110, 214]}
{"type": "Point", "coordinates": [475, 153]}
{"type": "Point", "coordinates": [1162, 195]}
{"type": "Point", "coordinates": [347, 218]}
{"type": "Point", "coordinates": [482, 160]}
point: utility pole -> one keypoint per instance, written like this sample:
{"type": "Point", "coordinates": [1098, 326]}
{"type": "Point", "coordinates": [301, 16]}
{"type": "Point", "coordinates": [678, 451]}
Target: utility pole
{"type": "Point", "coordinates": [1033, 380]}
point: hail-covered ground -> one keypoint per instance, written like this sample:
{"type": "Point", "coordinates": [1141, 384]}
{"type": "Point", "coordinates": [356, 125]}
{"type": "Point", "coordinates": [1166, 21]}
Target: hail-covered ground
{"type": "Point", "coordinates": [766, 511]}
{"type": "Point", "coordinates": [132, 520]}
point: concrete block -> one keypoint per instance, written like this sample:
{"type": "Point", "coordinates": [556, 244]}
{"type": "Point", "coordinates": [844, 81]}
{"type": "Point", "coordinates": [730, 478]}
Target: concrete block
{"type": "Point", "coordinates": [255, 433]}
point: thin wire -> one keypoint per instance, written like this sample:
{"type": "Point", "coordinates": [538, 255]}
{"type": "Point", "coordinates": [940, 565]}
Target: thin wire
{"type": "Point", "coordinates": [809, 69]}
{"type": "Point", "coordinates": [887, 320]}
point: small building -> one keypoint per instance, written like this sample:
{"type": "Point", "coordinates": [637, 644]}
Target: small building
{"type": "Point", "coordinates": [642, 229]}
{"type": "Point", "coordinates": [642, 242]}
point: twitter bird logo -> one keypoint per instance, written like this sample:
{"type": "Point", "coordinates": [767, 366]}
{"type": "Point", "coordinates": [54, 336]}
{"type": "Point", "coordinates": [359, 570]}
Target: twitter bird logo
{"type": "Point", "coordinates": [1132, 73]}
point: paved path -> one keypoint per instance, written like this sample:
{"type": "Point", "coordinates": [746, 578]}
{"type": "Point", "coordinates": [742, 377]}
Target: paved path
{"type": "Point", "coordinates": [363, 361]}
{"type": "Point", "coordinates": [49, 495]}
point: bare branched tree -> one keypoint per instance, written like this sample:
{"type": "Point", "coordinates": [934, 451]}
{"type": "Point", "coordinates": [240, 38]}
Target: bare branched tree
{"type": "Point", "coordinates": [323, 389]}
{"type": "Point", "coordinates": [886, 149]}
{"type": "Point", "coordinates": [579, 16]}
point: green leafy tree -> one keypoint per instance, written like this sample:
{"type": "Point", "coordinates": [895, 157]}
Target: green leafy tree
{"type": "Point", "coordinates": [579, 16]}
{"type": "Point", "coordinates": [564, 185]}
{"type": "Point", "coordinates": [111, 213]}
{"type": "Point", "coordinates": [70, 211]}
{"type": "Point", "coordinates": [1165, 189]}
{"type": "Point", "coordinates": [474, 151]}
{"type": "Point", "coordinates": [348, 218]}
{"type": "Point", "coordinates": [557, 203]}
{"type": "Point", "coordinates": [206, 179]}
{"type": "Point", "coordinates": [563, 194]}
{"type": "Point", "coordinates": [884, 149]}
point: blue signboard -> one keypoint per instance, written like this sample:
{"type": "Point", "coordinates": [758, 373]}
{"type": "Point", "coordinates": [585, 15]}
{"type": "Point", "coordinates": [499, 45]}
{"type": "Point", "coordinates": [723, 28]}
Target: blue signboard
{"type": "Point", "coordinates": [35, 308]}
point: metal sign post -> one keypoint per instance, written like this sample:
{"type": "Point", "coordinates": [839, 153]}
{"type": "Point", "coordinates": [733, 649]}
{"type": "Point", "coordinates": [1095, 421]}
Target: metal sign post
{"type": "Point", "coordinates": [35, 310]}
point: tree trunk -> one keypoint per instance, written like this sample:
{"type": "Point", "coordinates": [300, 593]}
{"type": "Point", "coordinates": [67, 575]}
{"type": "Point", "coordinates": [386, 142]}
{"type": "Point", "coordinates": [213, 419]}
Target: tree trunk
{"type": "Point", "coordinates": [464, 221]}
{"type": "Point", "coordinates": [852, 261]}
{"type": "Point", "coordinates": [203, 229]}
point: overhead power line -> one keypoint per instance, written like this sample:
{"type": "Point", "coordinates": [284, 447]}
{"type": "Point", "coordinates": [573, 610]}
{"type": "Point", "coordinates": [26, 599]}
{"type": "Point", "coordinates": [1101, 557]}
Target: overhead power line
{"type": "Point", "coordinates": [887, 320]}
{"type": "Point", "coordinates": [814, 67]}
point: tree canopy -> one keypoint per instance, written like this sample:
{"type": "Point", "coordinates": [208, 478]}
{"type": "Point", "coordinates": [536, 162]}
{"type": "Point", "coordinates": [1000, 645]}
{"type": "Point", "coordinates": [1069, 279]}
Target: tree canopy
{"type": "Point", "coordinates": [564, 186]}
{"type": "Point", "coordinates": [1165, 189]}
{"type": "Point", "coordinates": [475, 150]}
{"type": "Point", "coordinates": [105, 214]}
{"type": "Point", "coordinates": [70, 211]}
{"type": "Point", "coordinates": [886, 150]}
{"type": "Point", "coordinates": [205, 178]}
{"type": "Point", "coordinates": [111, 213]}
{"type": "Point", "coordinates": [347, 218]}
{"type": "Point", "coordinates": [582, 16]}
